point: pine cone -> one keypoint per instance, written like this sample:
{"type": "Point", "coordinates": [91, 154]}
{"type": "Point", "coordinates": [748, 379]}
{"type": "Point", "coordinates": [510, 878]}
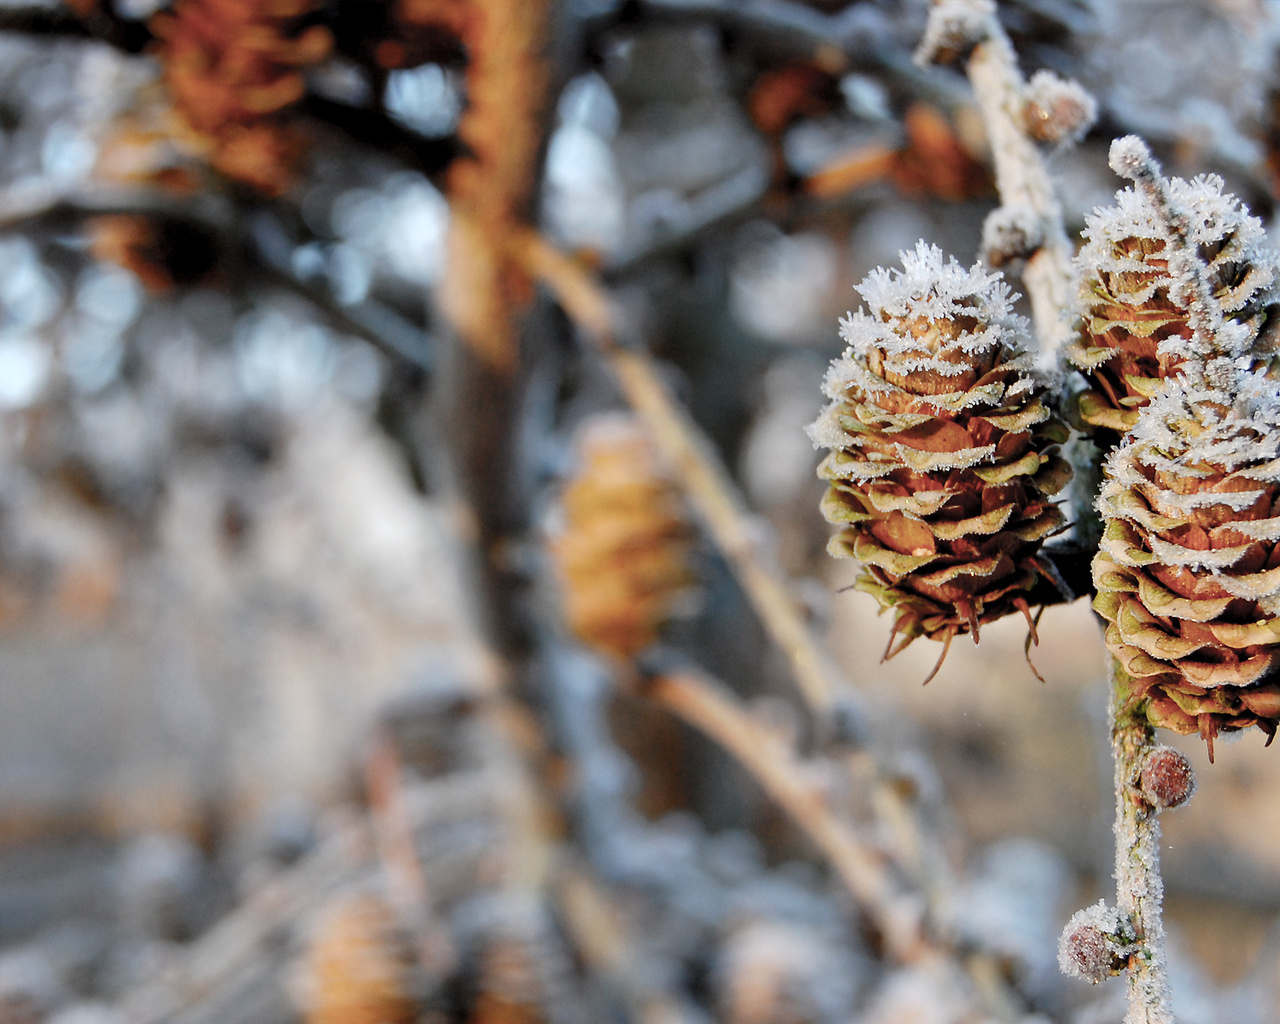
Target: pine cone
{"type": "Point", "coordinates": [1188, 574]}
{"type": "Point", "coordinates": [943, 456]}
{"type": "Point", "coordinates": [622, 554]}
{"type": "Point", "coordinates": [233, 68]}
{"type": "Point", "coordinates": [1135, 329]}
{"type": "Point", "coordinates": [360, 967]}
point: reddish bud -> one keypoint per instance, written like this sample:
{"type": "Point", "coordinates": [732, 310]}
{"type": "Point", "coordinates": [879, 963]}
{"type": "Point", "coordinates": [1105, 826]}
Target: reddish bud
{"type": "Point", "coordinates": [1167, 778]}
{"type": "Point", "coordinates": [1085, 950]}
{"type": "Point", "coordinates": [1057, 110]}
{"type": "Point", "coordinates": [1092, 946]}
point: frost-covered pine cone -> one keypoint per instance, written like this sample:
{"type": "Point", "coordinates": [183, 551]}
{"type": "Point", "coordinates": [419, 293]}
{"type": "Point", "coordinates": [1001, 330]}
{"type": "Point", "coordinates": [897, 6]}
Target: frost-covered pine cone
{"type": "Point", "coordinates": [622, 552]}
{"type": "Point", "coordinates": [1135, 299]}
{"type": "Point", "coordinates": [1188, 574]}
{"type": "Point", "coordinates": [943, 461]}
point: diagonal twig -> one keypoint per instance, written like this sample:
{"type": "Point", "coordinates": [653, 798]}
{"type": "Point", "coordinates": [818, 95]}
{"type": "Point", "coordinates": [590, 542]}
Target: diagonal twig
{"type": "Point", "coordinates": [712, 709]}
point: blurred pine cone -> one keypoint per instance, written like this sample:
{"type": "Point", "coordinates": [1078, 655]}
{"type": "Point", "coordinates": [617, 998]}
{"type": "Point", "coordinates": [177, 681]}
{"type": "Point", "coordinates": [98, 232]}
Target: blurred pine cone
{"type": "Point", "coordinates": [943, 459]}
{"type": "Point", "coordinates": [360, 968]}
{"type": "Point", "coordinates": [1135, 306]}
{"type": "Point", "coordinates": [1188, 574]}
{"type": "Point", "coordinates": [232, 68]}
{"type": "Point", "coordinates": [622, 553]}
{"type": "Point", "coordinates": [509, 988]}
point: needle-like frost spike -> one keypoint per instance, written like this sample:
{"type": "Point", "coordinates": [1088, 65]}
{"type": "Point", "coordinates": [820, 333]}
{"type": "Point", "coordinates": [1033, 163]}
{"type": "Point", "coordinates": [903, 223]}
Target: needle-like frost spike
{"type": "Point", "coordinates": [943, 456]}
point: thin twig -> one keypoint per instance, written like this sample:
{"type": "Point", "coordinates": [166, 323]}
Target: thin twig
{"type": "Point", "coordinates": [251, 933]}
{"type": "Point", "coordinates": [820, 682]}
{"type": "Point", "coordinates": [1139, 888]}
{"type": "Point", "coordinates": [709, 707]}
{"type": "Point", "coordinates": [601, 938]}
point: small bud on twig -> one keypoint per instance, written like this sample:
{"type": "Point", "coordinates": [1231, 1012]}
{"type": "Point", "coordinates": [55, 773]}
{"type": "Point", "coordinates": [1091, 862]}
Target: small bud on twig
{"type": "Point", "coordinates": [955, 27]}
{"type": "Point", "coordinates": [1057, 109]}
{"type": "Point", "coordinates": [1167, 778]}
{"type": "Point", "coordinates": [1095, 945]}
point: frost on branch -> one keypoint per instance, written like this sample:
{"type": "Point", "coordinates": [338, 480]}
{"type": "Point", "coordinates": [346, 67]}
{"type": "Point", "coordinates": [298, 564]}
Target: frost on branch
{"type": "Point", "coordinates": [1175, 277]}
{"type": "Point", "coordinates": [1130, 158]}
{"type": "Point", "coordinates": [943, 461]}
{"type": "Point", "coordinates": [1011, 233]}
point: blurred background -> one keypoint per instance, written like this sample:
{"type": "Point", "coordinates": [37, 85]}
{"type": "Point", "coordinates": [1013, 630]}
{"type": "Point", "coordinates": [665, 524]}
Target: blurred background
{"type": "Point", "coordinates": [294, 674]}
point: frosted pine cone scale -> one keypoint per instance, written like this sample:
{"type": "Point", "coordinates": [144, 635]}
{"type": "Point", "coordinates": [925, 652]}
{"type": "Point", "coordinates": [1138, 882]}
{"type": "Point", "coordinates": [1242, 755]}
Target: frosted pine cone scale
{"type": "Point", "coordinates": [943, 461]}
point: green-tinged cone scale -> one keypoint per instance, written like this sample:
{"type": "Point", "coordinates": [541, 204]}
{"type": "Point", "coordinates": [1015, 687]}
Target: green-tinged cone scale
{"type": "Point", "coordinates": [943, 461]}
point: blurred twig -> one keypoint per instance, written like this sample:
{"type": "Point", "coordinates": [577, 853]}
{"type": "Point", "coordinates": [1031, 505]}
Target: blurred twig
{"type": "Point", "coordinates": [818, 679]}
{"type": "Point", "coordinates": [711, 708]}
{"type": "Point", "coordinates": [406, 879]}
{"type": "Point", "coordinates": [246, 941]}
{"type": "Point", "coordinates": [601, 939]}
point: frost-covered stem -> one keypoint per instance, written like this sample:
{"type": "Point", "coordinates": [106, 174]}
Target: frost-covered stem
{"type": "Point", "coordinates": [1022, 180]}
{"type": "Point", "coordinates": [1139, 889]}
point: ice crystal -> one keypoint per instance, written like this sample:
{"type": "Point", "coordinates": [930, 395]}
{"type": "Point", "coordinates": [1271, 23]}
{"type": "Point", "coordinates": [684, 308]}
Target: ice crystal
{"type": "Point", "coordinates": [1194, 424]}
{"type": "Point", "coordinates": [931, 285]}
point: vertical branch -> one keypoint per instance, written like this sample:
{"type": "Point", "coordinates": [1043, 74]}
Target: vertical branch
{"type": "Point", "coordinates": [1139, 889]}
{"type": "Point", "coordinates": [1026, 192]}
{"type": "Point", "coordinates": [490, 191]}
{"type": "Point", "coordinates": [1023, 181]}
{"type": "Point", "coordinates": [476, 390]}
